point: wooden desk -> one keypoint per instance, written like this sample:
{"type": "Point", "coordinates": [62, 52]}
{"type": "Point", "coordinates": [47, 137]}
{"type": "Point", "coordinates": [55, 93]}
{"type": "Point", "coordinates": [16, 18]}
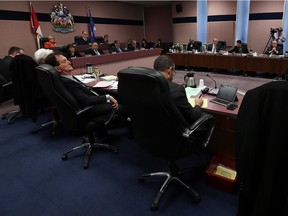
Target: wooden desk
{"type": "Point", "coordinates": [112, 63]}
{"type": "Point", "coordinates": [264, 64]}
{"type": "Point", "coordinates": [223, 140]}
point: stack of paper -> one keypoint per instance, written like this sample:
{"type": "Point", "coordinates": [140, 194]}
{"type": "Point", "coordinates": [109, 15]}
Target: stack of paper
{"type": "Point", "coordinates": [109, 77]}
{"type": "Point", "coordinates": [225, 171]}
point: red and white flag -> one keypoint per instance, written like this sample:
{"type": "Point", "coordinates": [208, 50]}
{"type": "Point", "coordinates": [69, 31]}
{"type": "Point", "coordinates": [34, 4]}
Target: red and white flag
{"type": "Point", "coordinates": [35, 25]}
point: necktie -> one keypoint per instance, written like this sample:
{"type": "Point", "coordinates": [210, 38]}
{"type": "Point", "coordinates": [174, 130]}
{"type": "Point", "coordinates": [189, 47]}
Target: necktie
{"type": "Point", "coordinates": [214, 48]}
{"type": "Point", "coordinates": [119, 49]}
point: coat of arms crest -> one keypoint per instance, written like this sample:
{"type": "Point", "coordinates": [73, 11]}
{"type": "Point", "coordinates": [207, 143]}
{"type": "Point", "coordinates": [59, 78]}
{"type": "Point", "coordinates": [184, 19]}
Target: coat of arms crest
{"type": "Point", "coordinates": [61, 19]}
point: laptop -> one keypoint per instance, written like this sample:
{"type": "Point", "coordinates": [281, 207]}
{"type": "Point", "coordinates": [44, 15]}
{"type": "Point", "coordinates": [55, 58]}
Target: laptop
{"type": "Point", "coordinates": [226, 95]}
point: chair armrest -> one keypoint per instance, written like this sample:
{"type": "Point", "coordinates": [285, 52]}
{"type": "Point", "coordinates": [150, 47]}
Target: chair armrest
{"type": "Point", "coordinates": [85, 109]}
{"type": "Point", "coordinates": [202, 128]}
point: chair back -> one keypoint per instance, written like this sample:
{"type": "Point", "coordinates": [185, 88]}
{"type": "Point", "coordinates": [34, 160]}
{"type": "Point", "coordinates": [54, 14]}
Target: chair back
{"type": "Point", "coordinates": [222, 44]}
{"type": "Point", "coordinates": [158, 125]}
{"type": "Point", "coordinates": [198, 45]}
{"type": "Point", "coordinates": [66, 105]}
{"type": "Point", "coordinates": [27, 92]}
{"type": "Point", "coordinates": [42, 41]}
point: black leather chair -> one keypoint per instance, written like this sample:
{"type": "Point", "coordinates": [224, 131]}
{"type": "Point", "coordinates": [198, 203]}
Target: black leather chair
{"type": "Point", "coordinates": [158, 126]}
{"type": "Point", "coordinates": [222, 44]}
{"type": "Point", "coordinates": [6, 90]}
{"type": "Point", "coordinates": [28, 94]}
{"type": "Point", "coordinates": [42, 41]}
{"type": "Point", "coordinates": [198, 45]}
{"type": "Point", "coordinates": [72, 116]}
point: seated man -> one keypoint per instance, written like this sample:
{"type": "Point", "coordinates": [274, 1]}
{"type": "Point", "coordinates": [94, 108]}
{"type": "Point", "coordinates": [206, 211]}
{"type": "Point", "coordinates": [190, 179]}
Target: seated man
{"type": "Point", "coordinates": [41, 54]}
{"type": "Point", "coordinates": [93, 50]}
{"type": "Point", "coordinates": [84, 95]}
{"type": "Point", "coordinates": [214, 46]}
{"type": "Point", "coordinates": [115, 48]}
{"type": "Point", "coordinates": [6, 61]}
{"type": "Point", "coordinates": [166, 66]}
{"type": "Point", "coordinates": [84, 39]}
{"type": "Point", "coordinates": [274, 49]}
{"type": "Point", "coordinates": [239, 48]}
{"type": "Point", "coordinates": [134, 46]}
{"type": "Point", "coordinates": [191, 45]}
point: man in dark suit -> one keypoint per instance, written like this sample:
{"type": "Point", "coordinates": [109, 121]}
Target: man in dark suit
{"type": "Point", "coordinates": [84, 39]}
{"type": "Point", "coordinates": [166, 66]}
{"type": "Point", "coordinates": [6, 61]}
{"type": "Point", "coordinates": [93, 50]}
{"type": "Point", "coordinates": [239, 48]}
{"type": "Point", "coordinates": [84, 95]}
{"type": "Point", "coordinates": [274, 49]}
{"type": "Point", "coordinates": [115, 47]}
{"type": "Point", "coordinates": [214, 46]}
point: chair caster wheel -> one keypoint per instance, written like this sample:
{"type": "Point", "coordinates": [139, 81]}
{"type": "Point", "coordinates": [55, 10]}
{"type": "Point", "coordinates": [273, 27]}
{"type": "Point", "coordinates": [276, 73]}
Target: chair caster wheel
{"type": "Point", "coordinates": [52, 133]}
{"type": "Point", "coordinates": [154, 207]}
{"type": "Point", "coordinates": [34, 132]}
{"type": "Point", "coordinates": [197, 200]}
{"type": "Point", "coordinates": [116, 151]}
{"type": "Point", "coordinates": [64, 157]}
{"type": "Point", "coordinates": [85, 166]}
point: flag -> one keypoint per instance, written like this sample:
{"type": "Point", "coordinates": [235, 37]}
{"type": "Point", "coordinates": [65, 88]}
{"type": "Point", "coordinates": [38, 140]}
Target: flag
{"type": "Point", "coordinates": [92, 27]}
{"type": "Point", "coordinates": [35, 25]}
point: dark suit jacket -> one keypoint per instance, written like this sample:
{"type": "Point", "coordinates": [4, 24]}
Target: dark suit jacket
{"type": "Point", "coordinates": [210, 46]}
{"type": "Point", "coordinates": [112, 49]}
{"type": "Point", "coordinates": [5, 68]}
{"type": "Point", "coordinates": [90, 51]}
{"type": "Point", "coordinates": [262, 151]}
{"type": "Point", "coordinates": [278, 48]}
{"type": "Point", "coordinates": [69, 54]}
{"type": "Point", "coordinates": [242, 49]}
{"type": "Point", "coordinates": [85, 97]}
{"type": "Point", "coordinates": [81, 41]}
{"type": "Point", "coordinates": [179, 97]}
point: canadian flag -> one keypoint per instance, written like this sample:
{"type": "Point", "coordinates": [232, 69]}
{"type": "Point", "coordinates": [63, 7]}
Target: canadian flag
{"type": "Point", "coordinates": [35, 25]}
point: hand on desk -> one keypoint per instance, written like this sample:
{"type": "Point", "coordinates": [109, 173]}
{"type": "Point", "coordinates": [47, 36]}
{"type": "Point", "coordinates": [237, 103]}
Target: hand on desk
{"type": "Point", "coordinates": [199, 102]}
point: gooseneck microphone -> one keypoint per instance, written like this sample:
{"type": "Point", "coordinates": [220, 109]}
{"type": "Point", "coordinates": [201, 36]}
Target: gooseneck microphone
{"type": "Point", "coordinates": [215, 90]}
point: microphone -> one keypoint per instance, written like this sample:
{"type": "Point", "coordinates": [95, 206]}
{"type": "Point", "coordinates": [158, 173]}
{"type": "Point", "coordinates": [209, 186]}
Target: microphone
{"type": "Point", "coordinates": [215, 90]}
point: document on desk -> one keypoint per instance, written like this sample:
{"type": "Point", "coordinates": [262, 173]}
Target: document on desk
{"type": "Point", "coordinates": [103, 84]}
{"type": "Point", "coordinates": [192, 91]}
{"type": "Point", "coordinates": [192, 102]}
{"type": "Point", "coordinates": [109, 77]}
{"type": "Point", "coordinates": [84, 79]}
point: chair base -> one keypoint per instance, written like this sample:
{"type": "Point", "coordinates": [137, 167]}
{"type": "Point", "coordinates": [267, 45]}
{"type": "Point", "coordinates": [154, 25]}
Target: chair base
{"type": "Point", "coordinates": [90, 147]}
{"type": "Point", "coordinates": [169, 179]}
{"type": "Point", "coordinates": [12, 116]}
{"type": "Point", "coordinates": [53, 124]}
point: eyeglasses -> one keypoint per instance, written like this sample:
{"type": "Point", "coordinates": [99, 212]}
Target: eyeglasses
{"type": "Point", "coordinates": [174, 72]}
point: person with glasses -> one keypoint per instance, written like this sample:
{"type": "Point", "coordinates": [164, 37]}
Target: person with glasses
{"type": "Point", "coordinates": [166, 66]}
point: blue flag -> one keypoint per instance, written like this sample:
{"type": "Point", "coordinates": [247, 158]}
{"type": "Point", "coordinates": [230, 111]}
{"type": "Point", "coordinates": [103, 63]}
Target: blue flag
{"type": "Point", "coordinates": [92, 27]}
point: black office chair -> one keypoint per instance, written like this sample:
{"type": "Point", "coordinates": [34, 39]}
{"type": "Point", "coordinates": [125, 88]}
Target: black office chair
{"type": "Point", "coordinates": [198, 45]}
{"type": "Point", "coordinates": [262, 150]}
{"type": "Point", "coordinates": [42, 41]}
{"type": "Point", "coordinates": [72, 116]}
{"type": "Point", "coordinates": [222, 44]}
{"type": "Point", "coordinates": [6, 90]}
{"type": "Point", "coordinates": [99, 39]}
{"type": "Point", "coordinates": [28, 94]}
{"type": "Point", "coordinates": [76, 39]}
{"type": "Point", "coordinates": [158, 126]}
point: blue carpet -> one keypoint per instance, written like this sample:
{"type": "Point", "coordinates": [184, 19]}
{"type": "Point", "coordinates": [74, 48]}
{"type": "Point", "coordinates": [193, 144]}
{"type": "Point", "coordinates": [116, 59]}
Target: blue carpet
{"type": "Point", "coordinates": [35, 181]}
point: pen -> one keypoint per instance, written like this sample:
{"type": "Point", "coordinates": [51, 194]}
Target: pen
{"type": "Point", "coordinates": [200, 96]}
